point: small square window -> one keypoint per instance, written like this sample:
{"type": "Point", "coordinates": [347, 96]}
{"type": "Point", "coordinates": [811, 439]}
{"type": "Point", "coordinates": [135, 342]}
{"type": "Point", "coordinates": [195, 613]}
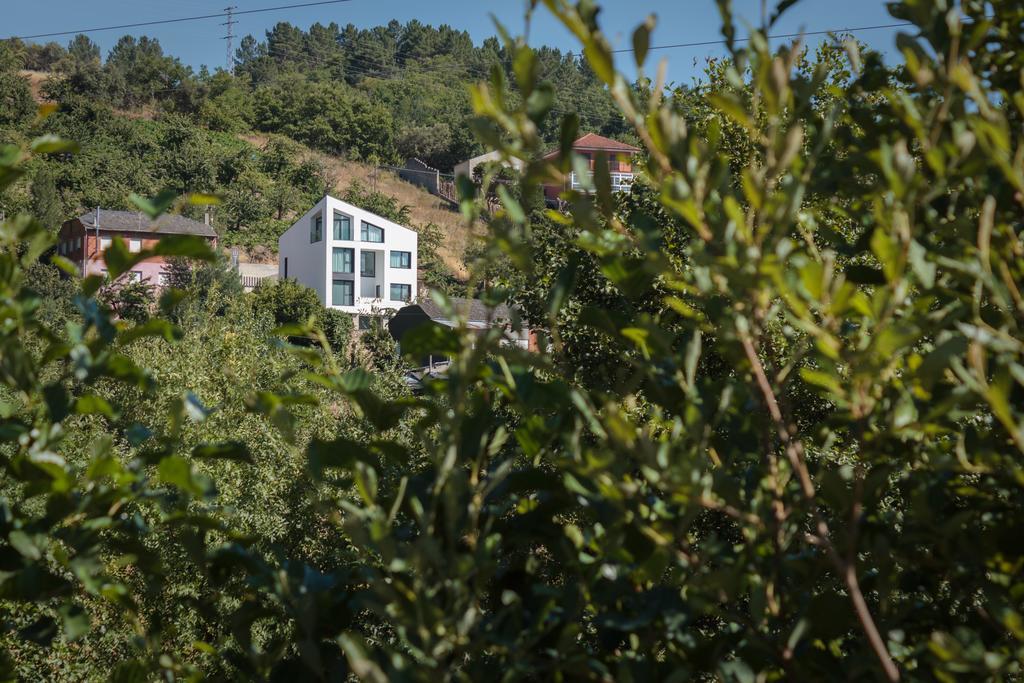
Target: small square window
{"type": "Point", "coordinates": [105, 243]}
{"type": "Point", "coordinates": [135, 246]}
{"type": "Point", "coordinates": [135, 276]}
{"type": "Point", "coordinates": [401, 293]}
{"type": "Point", "coordinates": [401, 259]}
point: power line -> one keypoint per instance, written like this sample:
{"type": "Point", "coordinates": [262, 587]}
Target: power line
{"type": "Point", "coordinates": [175, 21]}
{"type": "Point", "coordinates": [780, 36]}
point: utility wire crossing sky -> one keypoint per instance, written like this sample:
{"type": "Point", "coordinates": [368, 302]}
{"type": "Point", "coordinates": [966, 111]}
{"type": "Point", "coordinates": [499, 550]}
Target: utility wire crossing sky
{"type": "Point", "coordinates": [198, 38]}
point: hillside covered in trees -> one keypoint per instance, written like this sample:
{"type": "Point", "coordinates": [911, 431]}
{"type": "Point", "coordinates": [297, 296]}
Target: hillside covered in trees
{"type": "Point", "coordinates": [312, 99]}
{"type": "Point", "coordinates": [773, 429]}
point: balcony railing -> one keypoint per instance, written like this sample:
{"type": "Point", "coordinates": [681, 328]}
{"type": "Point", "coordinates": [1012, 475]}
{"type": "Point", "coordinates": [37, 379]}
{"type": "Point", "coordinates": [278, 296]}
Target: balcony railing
{"type": "Point", "coordinates": [621, 182]}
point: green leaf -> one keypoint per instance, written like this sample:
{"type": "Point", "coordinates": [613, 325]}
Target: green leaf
{"type": "Point", "coordinates": [24, 544]}
{"type": "Point", "coordinates": [75, 620]}
{"type": "Point", "coordinates": [865, 275]}
{"type": "Point", "coordinates": [157, 206]}
{"type": "Point", "coordinates": [642, 40]}
{"type": "Point", "coordinates": [176, 471]}
{"type": "Point", "coordinates": [888, 253]}
{"type": "Point", "coordinates": [52, 144]}
{"type": "Point", "coordinates": [91, 404]}
{"type": "Point", "coordinates": [230, 450]}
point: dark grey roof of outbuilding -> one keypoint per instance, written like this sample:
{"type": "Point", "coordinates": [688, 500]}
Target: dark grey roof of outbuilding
{"type": "Point", "coordinates": [134, 221]}
{"type": "Point", "coordinates": [474, 310]}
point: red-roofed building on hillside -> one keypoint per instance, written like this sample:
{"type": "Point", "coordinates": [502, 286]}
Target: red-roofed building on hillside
{"type": "Point", "coordinates": [620, 164]}
{"type": "Point", "coordinates": [83, 240]}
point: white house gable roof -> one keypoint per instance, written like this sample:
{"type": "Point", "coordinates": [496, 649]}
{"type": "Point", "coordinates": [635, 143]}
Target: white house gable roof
{"type": "Point", "coordinates": [351, 209]}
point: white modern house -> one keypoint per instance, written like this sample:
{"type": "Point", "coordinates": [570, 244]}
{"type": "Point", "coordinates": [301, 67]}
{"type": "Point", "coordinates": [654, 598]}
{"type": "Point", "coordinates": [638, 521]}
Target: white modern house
{"type": "Point", "coordinates": [358, 262]}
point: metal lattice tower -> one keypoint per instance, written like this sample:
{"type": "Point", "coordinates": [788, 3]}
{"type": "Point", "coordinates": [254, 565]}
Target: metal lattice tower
{"type": "Point", "coordinates": [230, 37]}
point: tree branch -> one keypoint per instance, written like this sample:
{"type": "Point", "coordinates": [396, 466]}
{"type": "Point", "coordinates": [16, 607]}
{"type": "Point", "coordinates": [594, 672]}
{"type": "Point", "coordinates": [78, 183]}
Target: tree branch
{"type": "Point", "coordinates": [846, 569]}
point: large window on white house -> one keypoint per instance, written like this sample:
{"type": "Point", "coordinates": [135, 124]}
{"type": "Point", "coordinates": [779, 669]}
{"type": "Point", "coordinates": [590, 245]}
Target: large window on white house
{"type": "Point", "coordinates": [368, 264]}
{"type": "Point", "coordinates": [401, 259]}
{"type": "Point", "coordinates": [316, 229]}
{"type": "Point", "coordinates": [342, 226]}
{"type": "Point", "coordinates": [344, 293]}
{"type": "Point", "coordinates": [371, 233]}
{"type": "Point", "coordinates": [343, 261]}
{"type": "Point", "coordinates": [401, 292]}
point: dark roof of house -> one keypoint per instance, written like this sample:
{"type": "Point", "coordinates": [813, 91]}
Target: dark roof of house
{"type": "Point", "coordinates": [474, 310]}
{"type": "Point", "coordinates": [134, 221]}
{"type": "Point", "coordinates": [593, 141]}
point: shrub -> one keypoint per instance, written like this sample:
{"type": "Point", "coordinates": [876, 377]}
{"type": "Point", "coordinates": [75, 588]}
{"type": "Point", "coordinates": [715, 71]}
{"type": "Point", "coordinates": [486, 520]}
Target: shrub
{"type": "Point", "coordinates": [289, 303]}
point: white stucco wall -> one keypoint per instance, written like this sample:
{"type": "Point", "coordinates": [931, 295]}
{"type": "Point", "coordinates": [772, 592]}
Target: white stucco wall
{"type": "Point", "coordinates": [312, 264]}
{"type": "Point", "coordinates": [305, 262]}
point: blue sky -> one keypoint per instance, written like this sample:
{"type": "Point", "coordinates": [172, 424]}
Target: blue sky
{"type": "Point", "coordinates": [199, 42]}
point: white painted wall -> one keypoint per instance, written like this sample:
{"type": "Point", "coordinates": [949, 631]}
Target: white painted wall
{"type": "Point", "coordinates": [312, 264]}
{"type": "Point", "coordinates": [305, 261]}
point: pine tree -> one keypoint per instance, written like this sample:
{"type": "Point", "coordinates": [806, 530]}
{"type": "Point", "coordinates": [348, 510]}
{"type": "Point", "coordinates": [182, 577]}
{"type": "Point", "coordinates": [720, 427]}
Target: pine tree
{"type": "Point", "coordinates": [46, 201]}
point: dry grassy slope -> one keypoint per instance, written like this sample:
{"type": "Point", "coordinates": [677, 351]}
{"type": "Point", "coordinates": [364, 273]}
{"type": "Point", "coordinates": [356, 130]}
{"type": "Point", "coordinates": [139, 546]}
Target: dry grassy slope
{"type": "Point", "coordinates": [35, 81]}
{"type": "Point", "coordinates": [424, 207]}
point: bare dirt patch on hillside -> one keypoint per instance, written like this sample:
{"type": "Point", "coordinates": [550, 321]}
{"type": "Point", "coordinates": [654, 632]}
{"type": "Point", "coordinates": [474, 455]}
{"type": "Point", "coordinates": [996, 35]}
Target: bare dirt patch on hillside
{"type": "Point", "coordinates": [35, 81]}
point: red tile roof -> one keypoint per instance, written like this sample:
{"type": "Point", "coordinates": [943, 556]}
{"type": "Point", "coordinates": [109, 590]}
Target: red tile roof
{"type": "Point", "coordinates": [595, 142]}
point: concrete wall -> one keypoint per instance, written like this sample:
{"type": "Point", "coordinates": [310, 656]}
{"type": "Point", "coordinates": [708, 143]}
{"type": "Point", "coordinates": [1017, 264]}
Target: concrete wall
{"type": "Point", "coordinates": [466, 168]}
{"type": "Point", "coordinates": [418, 173]}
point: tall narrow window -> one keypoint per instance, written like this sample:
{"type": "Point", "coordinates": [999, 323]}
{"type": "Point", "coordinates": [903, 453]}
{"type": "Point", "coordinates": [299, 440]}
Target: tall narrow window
{"type": "Point", "coordinates": [316, 229]}
{"type": "Point", "coordinates": [343, 293]}
{"type": "Point", "coordinates": [343, 261]}
{"type": "Point", "coordinates": [342, 227]}
{"type": "Point", "coordinates": [285, 267]}
{"type": "Point", "coordinates": [371, 233]}
{"type": "Point", "coordinates": [368, 264]}
{"type": "Point", "coordinates": [401, 292]}
{"type": "Point", "coordinates": [401, 259]}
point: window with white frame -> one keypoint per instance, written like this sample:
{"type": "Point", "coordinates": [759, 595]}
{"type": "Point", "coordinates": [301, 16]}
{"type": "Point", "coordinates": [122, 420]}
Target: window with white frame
{"type": "Point", "coordinates": [134, 246]}
{"type": "Point", "coordinates": [371, 233]}
{"type": "Point", "coordinates": [342, 226]}
{"type": "Point", "coordinates": [401, 259]}
{"type": "Point", "coordinates": [401, 292]}
{"type": "Point", "coordinates": [105, 243]}
{"type": "Point", "coordinates": [135, 276]}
